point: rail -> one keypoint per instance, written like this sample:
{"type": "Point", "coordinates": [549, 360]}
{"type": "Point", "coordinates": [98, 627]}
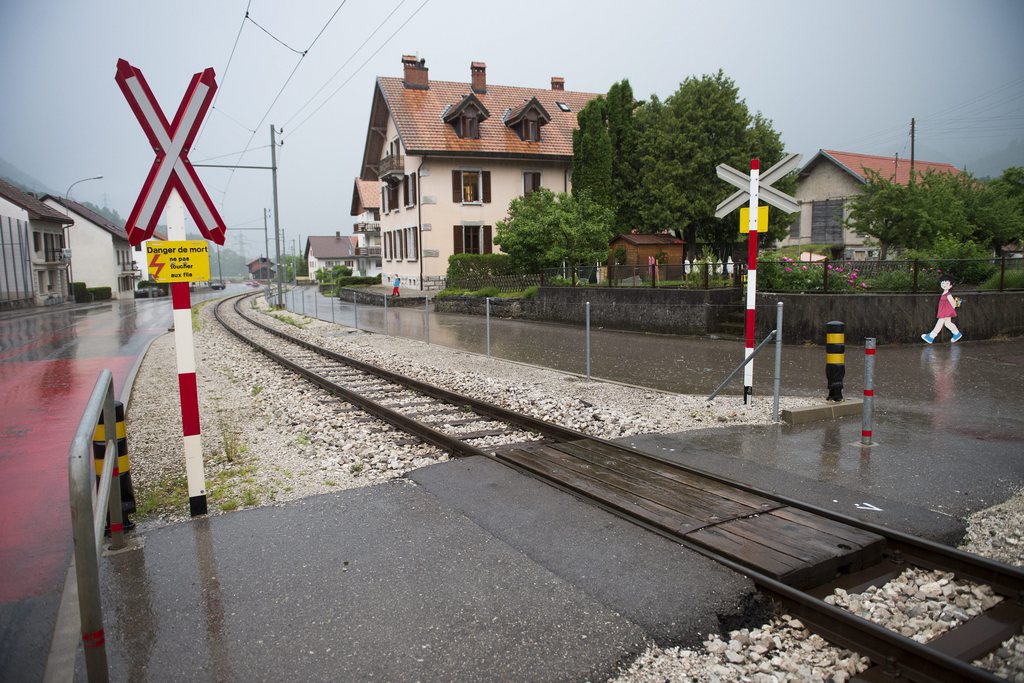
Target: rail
{"type": "Point", "coordinates": [89, 510]}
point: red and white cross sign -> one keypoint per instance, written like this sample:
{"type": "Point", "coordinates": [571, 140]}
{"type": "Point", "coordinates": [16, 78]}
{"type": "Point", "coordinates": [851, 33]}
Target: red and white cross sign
{"type": "Point", "coordinates": [171, 169]}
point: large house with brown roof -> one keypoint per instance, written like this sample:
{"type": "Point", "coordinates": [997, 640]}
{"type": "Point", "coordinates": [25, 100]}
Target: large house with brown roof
{"type": "Point", "coordinates": [33, 260]}
{"type": "Point", "coordinates": [826, 184]}
{"type": "Point", "coordinates": [100, 253]}
{"type": "Point", "coordinates": [448, 158]}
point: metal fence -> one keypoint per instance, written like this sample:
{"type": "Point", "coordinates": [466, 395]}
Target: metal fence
{"type": "Point", "coordinates": [787, 275]}
{"type": "Point", "coordinates": [89, 510]}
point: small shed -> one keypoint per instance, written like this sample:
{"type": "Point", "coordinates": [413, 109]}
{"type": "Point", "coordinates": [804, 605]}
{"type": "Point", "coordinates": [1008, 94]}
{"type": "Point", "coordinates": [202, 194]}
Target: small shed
{"type": "Point", "coordinates": [664, 249]}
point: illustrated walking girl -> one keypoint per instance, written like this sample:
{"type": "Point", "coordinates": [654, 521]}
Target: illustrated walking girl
{"type": "Point", "coordinates": [947, 311]}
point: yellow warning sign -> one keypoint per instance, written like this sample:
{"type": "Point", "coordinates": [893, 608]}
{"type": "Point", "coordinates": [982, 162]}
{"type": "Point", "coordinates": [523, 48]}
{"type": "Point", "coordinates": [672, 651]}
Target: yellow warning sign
{"type": "Point", "coordinates": [762, 219]}
{"type": "Point", "coordinates": [180, 261]}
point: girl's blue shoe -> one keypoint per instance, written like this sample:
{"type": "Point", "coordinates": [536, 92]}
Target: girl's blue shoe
{"type": "Point", "coordinates": [956, 337]}
{"type": "Point", "coordinates": [927, 338]}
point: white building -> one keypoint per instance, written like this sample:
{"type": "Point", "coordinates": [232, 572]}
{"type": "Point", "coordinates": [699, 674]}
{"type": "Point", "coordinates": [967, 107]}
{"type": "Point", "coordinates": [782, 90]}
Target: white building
{"type": "Point", "coordinates": [100, 253]}
{"type": "Point", "coordinates": [33, 263]}
{"type": "Point", "coordinates": [366, 209]}
{"type": "Point", "coordinates": [327, 252]}
{"type": "Point", "coordinates": [449, 157]}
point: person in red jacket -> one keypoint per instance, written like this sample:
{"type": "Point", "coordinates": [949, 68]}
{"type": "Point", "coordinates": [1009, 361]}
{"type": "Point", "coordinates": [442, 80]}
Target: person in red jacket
{"type": "Point", "coordinates": [947, 311]}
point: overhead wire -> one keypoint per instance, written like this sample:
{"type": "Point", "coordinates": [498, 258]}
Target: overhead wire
{"type": "Point", "coordinates": [359, 68]}
{"type": "Point", "coordinates": [224, 76]}
{"type": "Point", "coordinates": [344, 64]}
{"type": "Point", "coordinates": [281, 91]}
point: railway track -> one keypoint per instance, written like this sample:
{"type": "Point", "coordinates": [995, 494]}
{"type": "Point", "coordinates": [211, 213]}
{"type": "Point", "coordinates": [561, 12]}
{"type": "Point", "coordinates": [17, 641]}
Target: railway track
{"type": "Point", "coordinates": [796, 553]}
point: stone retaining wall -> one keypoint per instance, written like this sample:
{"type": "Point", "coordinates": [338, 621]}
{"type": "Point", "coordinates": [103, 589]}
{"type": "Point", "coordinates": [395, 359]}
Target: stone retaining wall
{"type": "Point", "coordinates": [890, 318]}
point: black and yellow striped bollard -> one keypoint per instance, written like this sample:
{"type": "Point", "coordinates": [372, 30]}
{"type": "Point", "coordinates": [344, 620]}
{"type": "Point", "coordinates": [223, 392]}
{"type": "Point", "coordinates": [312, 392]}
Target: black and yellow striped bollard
{"type": "Point", "coordinates": [123, 470]}
{"type": "Point", "coordinates": [835, 358]}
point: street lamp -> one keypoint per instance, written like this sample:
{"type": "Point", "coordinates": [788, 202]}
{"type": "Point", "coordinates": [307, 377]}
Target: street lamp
{"type": "Point", "coordinates": [67, 236]}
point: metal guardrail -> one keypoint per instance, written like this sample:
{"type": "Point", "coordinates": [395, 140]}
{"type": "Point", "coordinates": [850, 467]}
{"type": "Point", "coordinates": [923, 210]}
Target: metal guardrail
{"type": "Point", "coordinates": [89, 510]}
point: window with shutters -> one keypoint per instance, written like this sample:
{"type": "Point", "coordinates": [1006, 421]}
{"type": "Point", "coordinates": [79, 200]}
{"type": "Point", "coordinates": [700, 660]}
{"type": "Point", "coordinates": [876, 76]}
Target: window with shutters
{"type": "Point", "coordinates": [392, 191]}
{"type": "Point", "coordinates": [471, 187]}
{"type": "Point", "coordinates": [531, 182]}
{"type": "Point", "coordinates": [410, 238]}
{"type": "Point", "coordinates": [827, 222]}
{"type": "Point", "coordinates": [410, 190]}
{"type": "Point", "coordinates": [473, 239]}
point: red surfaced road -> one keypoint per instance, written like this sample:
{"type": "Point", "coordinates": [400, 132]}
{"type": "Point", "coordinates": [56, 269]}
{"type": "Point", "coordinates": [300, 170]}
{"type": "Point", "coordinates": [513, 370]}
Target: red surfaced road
{"type": "Point", "coordinates": [40, 406]}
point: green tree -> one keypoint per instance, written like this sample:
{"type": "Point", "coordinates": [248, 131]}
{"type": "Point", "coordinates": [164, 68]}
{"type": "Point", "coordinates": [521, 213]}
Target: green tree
{"type": "Point", "coordinates": [681, 141]}
{"type": "Point", "coordinates": [543, 229]}
{"type": "Point", "coordinates": [885, 211]}
{"type": "Point", "coordinates": [592, 154]}
{"type": "Point", "coordinates": [622, 132]}
{"type": "Point", "coordinates": [937, 213]}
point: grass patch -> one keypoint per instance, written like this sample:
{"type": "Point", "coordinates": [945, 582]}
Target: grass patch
{"type": "Point", "coordinates": [1012, 279]}
{"type": "Point", "coordinates": [168, 494]}
{"type": "Point", "coordinates": [256, 389]}
{"type": "Point", "coordinates": [303, 440]}
{"type": "Point", "coordinates": [290, 320]}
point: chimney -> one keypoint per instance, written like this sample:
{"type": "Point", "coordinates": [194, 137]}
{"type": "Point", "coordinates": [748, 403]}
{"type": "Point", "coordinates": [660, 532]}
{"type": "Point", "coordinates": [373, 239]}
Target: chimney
{"type": "Point", "coordinates": [478, 71]}
{"type": "Point", "coordinates": [557, 83]}
{"type": "Point", "coordinates": [415, 73]}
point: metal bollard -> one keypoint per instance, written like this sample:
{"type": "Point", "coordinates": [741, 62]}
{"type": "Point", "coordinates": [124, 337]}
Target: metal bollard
{"type": "Point", "coordinates": [303, 296]}
{"type": "Point", "coordinates": [869, 391]}
{"type": "Point", "coordinates": [332, 308]}
{"type": "Point", "coordinates": [426, 317]}
{"type": "Point", "coordinates": [355, 311]}
{"type": "Point", "coordinates": [588, 339]}
{"type": "Point", "coordinates": [835, 359]}
{"type": "Point", "coordinates": [488, 327]}
{"type": "Point", "coordinates": [316, 306]}
{"type": "Point", "coordinates": [778, 362]}
{"type": "Point", "coordinates": [122, 470]}
{"type": "Point", "coordinates": [386, 324]}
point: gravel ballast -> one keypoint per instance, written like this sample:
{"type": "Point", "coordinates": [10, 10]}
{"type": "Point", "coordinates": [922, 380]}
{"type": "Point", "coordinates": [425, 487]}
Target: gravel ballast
{"type": "Point", "coordinates": [269, 437]}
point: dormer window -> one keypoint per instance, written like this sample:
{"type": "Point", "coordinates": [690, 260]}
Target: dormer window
{"type": "Point", "coordinates": [527, 119]}
{"type": "Point", "coordinates": [466, 116]}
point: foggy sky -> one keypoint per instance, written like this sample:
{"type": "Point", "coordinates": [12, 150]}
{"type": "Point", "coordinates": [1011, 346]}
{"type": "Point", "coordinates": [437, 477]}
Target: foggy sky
{"type": "Point", "coordinates": [833, 75]}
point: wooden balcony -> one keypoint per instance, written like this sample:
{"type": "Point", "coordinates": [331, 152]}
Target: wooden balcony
{"type": "Point", "coordinates": [368, 251]}
{"type": "Point", "coordinates": [391, 166]}
{"type": "Point", "coordinates": [373, 227]}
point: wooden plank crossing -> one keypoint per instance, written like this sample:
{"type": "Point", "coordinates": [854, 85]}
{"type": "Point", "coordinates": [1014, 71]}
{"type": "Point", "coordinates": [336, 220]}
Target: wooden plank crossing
{"type": "Point", "coordinates": [783, 542]}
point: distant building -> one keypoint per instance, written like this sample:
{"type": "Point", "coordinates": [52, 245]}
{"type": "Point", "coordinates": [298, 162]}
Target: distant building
{"type": "Point", "coordinates": [447, 158]}
{"type": "Point", "coordinates": [261, 269]}
{"type": "Point", "coordinates": [827, 183]}
{"type": "Point", "coordinates": [33, 261]}
{"type": "Point", "coordinates": [638, 248]}
{"type": "Point", "coordinates": [327, 252]}
{"type": "Point", "coordinates": [366, 209]}
{"type": "Point", "coordinates": [100, 253]}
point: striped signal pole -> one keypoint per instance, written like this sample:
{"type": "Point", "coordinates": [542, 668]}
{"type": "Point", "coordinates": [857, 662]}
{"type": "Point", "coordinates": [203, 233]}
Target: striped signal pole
{"type": "Point", "coordinates": [181, 301]}
{"type": "Point", "coordinates": [748, 371]}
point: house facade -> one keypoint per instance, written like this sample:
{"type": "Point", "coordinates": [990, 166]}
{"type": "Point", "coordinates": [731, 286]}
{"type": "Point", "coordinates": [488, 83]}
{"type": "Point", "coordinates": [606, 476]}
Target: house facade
{"type": "Point", "coordinates": [327, 252]}
{"type": "Point", "coordinates": [448, 157]}
{"type": "Point", "coordinates": [100, 253]}
{"type": "Point", "coordinates": [33, 258]}
{"type": "Point", "coordinates": [366, 209]}
{"type": "Point", "coordinates": [829, 181]}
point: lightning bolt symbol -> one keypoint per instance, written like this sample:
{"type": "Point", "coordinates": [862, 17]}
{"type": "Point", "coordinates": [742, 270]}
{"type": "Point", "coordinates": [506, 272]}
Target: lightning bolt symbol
{"type": "Point", "coordinates": [155, 263]}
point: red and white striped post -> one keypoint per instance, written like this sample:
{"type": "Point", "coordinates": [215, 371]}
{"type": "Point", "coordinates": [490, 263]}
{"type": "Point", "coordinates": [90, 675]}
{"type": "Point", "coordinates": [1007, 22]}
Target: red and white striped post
{"type": "Point", "coordinates": [748, 371]}
{"type": "Point", "coordinates": [869, 391]}
{"type": "Point", "coordinates": [188, 390]}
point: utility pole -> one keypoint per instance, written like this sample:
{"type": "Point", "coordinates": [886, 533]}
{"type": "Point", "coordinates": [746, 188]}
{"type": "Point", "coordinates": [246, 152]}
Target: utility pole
{"type": "Point", "coordinates": [913, 124]}
{"type": "Point", "coordinates": [277, 225]}
{"type": "Point", "coordinates": [266, 240]}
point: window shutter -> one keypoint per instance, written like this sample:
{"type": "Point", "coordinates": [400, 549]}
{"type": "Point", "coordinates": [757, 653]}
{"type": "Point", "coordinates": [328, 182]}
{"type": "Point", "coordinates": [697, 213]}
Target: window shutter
{"type": "Point", "coordinates": [405, 191]}
{"type": "Point", "coordinates": [383, 200]}
{"type": "Point", "coordinates": [458, 239]}
{"type": "Point", "coordinates": [487, 186]}
{"type": "Point", "coordinates": [457, 188]}
{"type": "Point", "coordinates": [487, 239]}
{"type": "Point", "coordinates": [413, 191]}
